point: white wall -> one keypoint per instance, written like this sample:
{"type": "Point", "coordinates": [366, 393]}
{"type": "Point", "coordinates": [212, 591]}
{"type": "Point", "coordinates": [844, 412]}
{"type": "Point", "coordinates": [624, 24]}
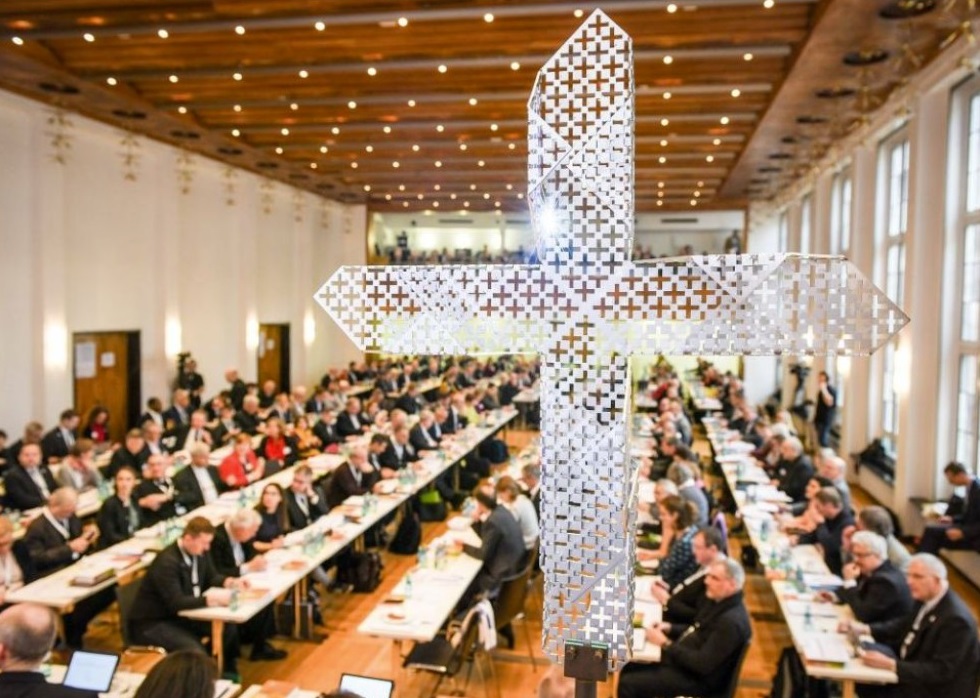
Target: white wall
{"type": "Point", "coordinates": [83, 249]}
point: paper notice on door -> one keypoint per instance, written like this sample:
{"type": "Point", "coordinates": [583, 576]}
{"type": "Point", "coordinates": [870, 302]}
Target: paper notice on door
{"type": "Point", "coordinates": [107, 359]}
{"type": "Point", "coordinates": [85, 360]}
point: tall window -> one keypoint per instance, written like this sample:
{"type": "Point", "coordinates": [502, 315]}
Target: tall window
{"type": "Point", "coordinates": [893, 225]}
{"type": "Point", "coordinates": [783, 231]}
{"type": "Point", "coordinates": [840, 212]}
{"type": "Point", "coordinates": [967, 227]}
{"type": "Point", "coordinates": [806, 223]}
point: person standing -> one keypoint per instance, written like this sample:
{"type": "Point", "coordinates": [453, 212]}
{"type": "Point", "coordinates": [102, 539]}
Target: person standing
{"type": "Point", "coordinates": [826, 412]}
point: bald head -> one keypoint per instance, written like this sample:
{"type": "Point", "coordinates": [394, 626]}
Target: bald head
{"type": "Point", "coordinates": [63, 502]}
{"type": "Point", "coordinates": [27, 634]}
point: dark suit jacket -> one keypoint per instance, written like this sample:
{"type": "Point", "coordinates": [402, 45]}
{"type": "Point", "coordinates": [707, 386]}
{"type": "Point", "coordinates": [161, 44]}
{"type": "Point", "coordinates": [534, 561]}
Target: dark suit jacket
{"type": "Point", "coordinates": [712, 650]}
{"type": "Point", "coordinates": [31, 684]}
{"type": "Point", "coordinates": [686, 599]}
{"type": "Point", "coordinates": [297, 519]}
{"type": "Point", "coordinates": [507, 393]}
{"type": "Point", "coordinates": [943, 658]}
{"type": "Point", "coordinates": [454, 422]}
{"type": "Point", "coordinates": [49, 549]}
{"type": "Point", "coordinates": [150, 517]}
{"type": "Point", "coordinates": [830, 536]}
{"type": "Point", "coordinates": [180, 433]}
{"type": "Point", "coordinates": [222, 434]}
{"type": "Point", "coordinates": [969, 520]}
{"type": "Point", "coordinates": [189, 492]}
{"type": "Point", "coordinates": [344, 484]}
{"type": "Point", "coordinates": [391, 459]}
{"type": "Point", "coordinates": [408, 404]}
{"type": "Point", "coordinates": [122, 456]}
{"type": "Point", "coordinates": [327, 434]}
{"type": "Point", "coordinates": [223, 556]}
{"type": "Point", "coordinates": [238, 391]}
{"type": "Point", "coordinates": [22, 493]}
{"type": "Point", "coordinates": [879, 597]}
{"type": "Point", "coordinates": [420, 439]}
{"type": "Point", "coordinates": [248, 423]}
{"type": "Point", "coordinates": [113, 521]}
{"type": "Point", "coordinates": [53, 445]}
{"type": "Point", "coordinates": [793, 476]}
{"type": "Point", "coordinates": [167, 588]}
{"type": "Point", "coordinates": [345, 426]}
{"type": "Point", "coordinates": [502, 549]}
{"type": "Point", "coordinates": [173, 419]}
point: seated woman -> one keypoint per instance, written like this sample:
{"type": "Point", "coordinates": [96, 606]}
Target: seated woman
{"type": "Point", "coordinates": [276, 448]}
{"type": "Point", "coordinates": [275, 520]}
{"type": "Point", "coordinates": [677, 561]}
{"type": "Point", "coordinates": [97, 427]}
{"type": "Point", "coordinates": [307, 443]}
{"type": "Point", "coordinates": [242, 467]}
{"type": "Point", "coordinates": [120, 516]}
{"type": "Point", "coordinates": [78, 470]}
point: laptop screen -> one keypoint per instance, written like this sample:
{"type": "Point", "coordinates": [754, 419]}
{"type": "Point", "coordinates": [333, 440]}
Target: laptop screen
{"type": "Point", "coordinates": [91, 671]}
{"type": "Point", "coordinates": [367, 687]}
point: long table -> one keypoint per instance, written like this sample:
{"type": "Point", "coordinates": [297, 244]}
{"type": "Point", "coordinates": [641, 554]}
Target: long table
{"type": "Point", "coordinates": [812, 625]}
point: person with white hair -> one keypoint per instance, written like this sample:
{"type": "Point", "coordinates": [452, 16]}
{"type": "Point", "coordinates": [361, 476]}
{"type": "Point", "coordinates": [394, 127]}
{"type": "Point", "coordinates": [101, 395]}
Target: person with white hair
{"type": "Point", "coordinates": [697, 659]}
{"type": "Point", "coordinates": [933, 649]}
{"type": "Point", "coordinates": [834, 468]}
{"type": "Point", "coordinates": [873, 588]}
{"type": "Point", "coordinates": [200, 482]}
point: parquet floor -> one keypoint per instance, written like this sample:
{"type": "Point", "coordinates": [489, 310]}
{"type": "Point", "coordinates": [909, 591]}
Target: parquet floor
{"type": "Point", "coordinates": [319, 665]}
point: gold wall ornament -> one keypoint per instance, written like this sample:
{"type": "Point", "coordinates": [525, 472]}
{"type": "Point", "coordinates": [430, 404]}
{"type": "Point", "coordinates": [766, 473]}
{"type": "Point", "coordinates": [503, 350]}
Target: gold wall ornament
{"type": "Point", "coordinates": [267, 195]}
{"type": "Point", "coordinates": [59, 135]}
{"type": "Point", "coordinates": [229, 175]}
{"type": "Point", "coordinates": [129, 153]}
{"type": "Point", "coordinates": [185, 171]}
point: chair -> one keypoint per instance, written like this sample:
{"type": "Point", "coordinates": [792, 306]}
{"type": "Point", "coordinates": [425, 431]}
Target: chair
{"type": "Point", "coordinates": [442, 658]}
{"type": "Point", "coordinates": [126, 598]}
{"type": "Point", "coordinates": [721, 523]}
{"type": "Point", "coordinates": [732, 688]}
{"type": "Point", "coordinates": [509, 604]}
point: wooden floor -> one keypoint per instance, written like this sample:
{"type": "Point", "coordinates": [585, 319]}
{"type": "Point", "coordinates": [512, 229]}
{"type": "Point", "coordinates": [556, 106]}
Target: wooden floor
{"type": "Point", "coordinates": [318, 666]}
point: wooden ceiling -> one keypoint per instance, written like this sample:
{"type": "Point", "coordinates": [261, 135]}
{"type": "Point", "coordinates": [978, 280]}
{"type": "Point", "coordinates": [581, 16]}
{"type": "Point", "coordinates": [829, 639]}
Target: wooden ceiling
{"type": "Point", "coordinates": [411, 105]}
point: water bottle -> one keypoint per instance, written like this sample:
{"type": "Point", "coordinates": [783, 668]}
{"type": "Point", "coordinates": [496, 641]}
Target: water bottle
{"type": "Point", "coordinates": [800, 580]}
{"type": "Point", "coordinates": [440, 557]}
{"type": "Point", "coordinates": [408, 585]}
{"type": "Point", "coordinates": [773, 560]}
{"type": "Point", "coordinates": [807, 618]}
{"type": "Point", "coordinates": [103, 490]}
{"type": "Point", "coordinates": [423, 557]}
{"type": "Point", "coordinates": [233, 603]}
{"type": "Point", "coordinates": [764, 531]}
{"type": "Point", "coordinates": [242, 499]}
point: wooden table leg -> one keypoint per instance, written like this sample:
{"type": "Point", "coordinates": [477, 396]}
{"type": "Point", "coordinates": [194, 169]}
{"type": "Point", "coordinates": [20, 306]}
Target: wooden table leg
{"type": "Point", "coordinates": [298, 597]}
{"type": "Point", "coordinates": [848, 689]}
{"type": "Point", "coordinates": [218, 644]}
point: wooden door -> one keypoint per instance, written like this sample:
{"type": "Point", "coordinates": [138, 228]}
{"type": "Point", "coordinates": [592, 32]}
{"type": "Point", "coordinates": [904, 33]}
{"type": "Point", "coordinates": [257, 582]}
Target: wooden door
{"type": "Point", "coordinates": [106, 370]}
{"type": "Point", "coordinates": [273, 354]}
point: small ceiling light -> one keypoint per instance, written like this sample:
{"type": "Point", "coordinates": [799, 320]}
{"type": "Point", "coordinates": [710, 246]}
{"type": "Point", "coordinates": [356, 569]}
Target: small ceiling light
{"type": "Point", "coordinates": [736, 92]}
{"type": "Point", "coordinates": [473, 101]}
{"type": "Point", "coordinates": [710, 158]}
{"type": "Point", "coordinates": [235, 132]}
{"type": "Point", "coordinates": [578, 14]}
{"type": "Point", "coordinates": [387, 197]}
{"type": "Point", "coordinates": [294, 106]}
{"type": "Point", "coordinates": [700, 184]}
{"type": "Point", "coordinates": [112, 81]}
{"type": "Point", "coordinates": [747, 56]}
{"type": "Point", "coordinates": [660, 185]}
{"type": "Point", "coordinates": [304, 74]}
{"type": "Point", "coordinates": [660, 203]}
{"type": "Point", "coordinates": [442, 68]}
{"type": "Point", "coordinates": [665, 122]}
{"type": "Point", "coordinates": [486, 196]}
{"type": "Point", "coordinates": [396, 164]}
{"type": "Point", "coordinates": [88, 37]}
{"type": "Point", "coordinates": [420, 197]}
{"type": "Point", "coordinates": [663, 143]}
{"type": "Point", "coordinates": [236, 76]}
{"type": "Point", "coordinates": [415, 148]}
{"type": "Point", "coordinates": [367, 187]}
{"type": "Point", "coordinates": [372, 71]}
{"type": "Point", "coordinates": [411, 102]}
{"type": "Point", "coordinates": [494, 127]}
{"type": "Point", "coordinates": [237, 107]}
{"type": "Point", "coordinates": [278, 150]}
{"type": "Point", "coordinates": [404, 204]}
{"type": "Point", "coordinates": [668, 60]}
{"type": "Point", "coordinates": [662, 159]}
{"type": "Point", "coordinates": [488, 17]}
{"type": "Point", "coordinates": [401, 187]}
{"type": "Point", "coordinates": [724, 120]}
{"type": "Point", "coordinates": [335, 130]}
{"type": "Point", "coordinates": [369, 148]}
{"type": "Point", "coordinates": [667, 95]}
{"type": "Point", "coordinates": [312, 165]}
{"type": "Point", "coordinates": [284, 131]}
{"type": "Point", "coordinates": [510, 187]}
{"type": "Point", "coordinates": [514, 65]}
{"type": "Point", "coordinates": [163, 33]}
{"type": "Point", "coordinates": [716, 141]}
{"type": "Point", "coordinates": [435, 204]}
{"type": "Point", "coordinates": [511, 146]}
{"type": "Point", "coordinates": [352, 104]}
{"type": "Point", "coordinates": [240, 30]}
{"type": "Point", "coordinates": [182, 109]}
{"type": "Point", "coordinates": [324, 149]}
{"type": "Point", "coordinates": [472, 187]}
{"type": "Point", "coordinates": [462, 146]}
{"type": "Point", "coordinates": [438, 163]}
{"type": "Point", "coordinates": [697, 194]}
{"type": "Point", "coordinates": [694, 202]}
{"type": "Point", "coordinates": [452, 196]}
{"type": "Point", "coordinates": [17, 40]}
{"type": "Point", "coordinates": [354, 165]}
{"type": "Point", "coordinates": [660, 195]}
{"type": "Point", "coordinates": [436, 187]}
{"type": "Point", "coordinates": [403, 22]}
{"type": "Point", "coordinates": [387, 129]}
{"type": "Point", "coordinates": [466, 204]}
{"type": "Point", "coordinates": [480, 163]}
{"type": "Point", "coordinates": [671, 8]}
{"type": "Point", "coordinates": [768, 4]}
{"type": "Point", "coordinates": [440, 128]}
{"type": "Point", "coordinates": [320, 26]}
{"type": "Point", "coordinates": [520, 195]}
{"type": "Point", "coordinates": [174, 78]}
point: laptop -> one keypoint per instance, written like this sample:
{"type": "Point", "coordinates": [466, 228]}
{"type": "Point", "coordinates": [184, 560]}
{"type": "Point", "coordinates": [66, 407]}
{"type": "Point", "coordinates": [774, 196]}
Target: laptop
{"type": "Point", "coordinates": [366, 686]}
{"type": "Point", "coordinates": [91, 671]}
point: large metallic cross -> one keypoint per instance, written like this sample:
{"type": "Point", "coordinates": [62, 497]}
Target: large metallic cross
{"type": "Point", "coordinates": [586, 308]}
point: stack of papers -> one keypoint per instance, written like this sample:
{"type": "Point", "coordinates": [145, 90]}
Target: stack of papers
{"type": "Point", "coordinates": [827, 648]}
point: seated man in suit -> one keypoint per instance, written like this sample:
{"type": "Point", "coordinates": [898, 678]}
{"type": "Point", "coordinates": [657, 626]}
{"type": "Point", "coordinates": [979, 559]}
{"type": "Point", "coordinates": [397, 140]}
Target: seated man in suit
{"type": "Point", "coordinates": [425, 435]}
{"type": "Point", "coordinates": [56, 442]}
{"type": "Point", "coordinates": [176, 581]}
{"type": "Point", "coordinates": [234, 556]}
{"type": "Point", "coordinates": [400, 452]}
{"type": "Point", "coordinates": [793, 470]}
{"type": "Point", "coordinates": [225, 428]}
{"type": "Point", "coordinates": [934, 648]}
{"type": "Point", "coordinates": [873, 589]}
{"type": "Point", "coordinates": [199, 483]}
{"type": "Point", "coordinates": [410, 402]}
{"type": "Point", "coordinates": [354, 478]}
{"type": "Point", "coordinates": [30, 482]}
{"type": "Point", "coordinates": [681, 604]}
{"type": "Point", "coordinates": [16, 568]}
{"type": "Point", "coordinates": [27, 634]}
{"type": "Point", "coordinates": [55, 540]}
{"type": "Point", "coordinates": [156, 493]}
{"type": "Point", "coordinates": [195, 431]}
{"type": "Point", "coordinates": [132, 454]}
{"type": "Point", "coordinates": [531, 481]}
{"type": "Point", "coordinates": [959, 531]}
{"type": "Point", "coordinates": [326, 429]}
{"type": "Point", "coordinates": [697, 659]}
{"type": "Point", "coordinates": [304, 505]}
{"type": "Point", "coordinates": [350, 422]}
{"type": "Point", "coordinates": [248, 418]}
{"type": "Point", "coordinates": [501, 547]}
{"type": "Point", "coordinates": [830, 534]}
{"type": "Point", "coordinates": [179, 413]}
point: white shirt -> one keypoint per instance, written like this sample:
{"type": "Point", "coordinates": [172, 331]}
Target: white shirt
{"type": "Point", "coordinates": [523, 510]}
{"type": "Point", "coordinates": [11, 575]}
{"type": "Point", "coordinates": [208, 490]}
